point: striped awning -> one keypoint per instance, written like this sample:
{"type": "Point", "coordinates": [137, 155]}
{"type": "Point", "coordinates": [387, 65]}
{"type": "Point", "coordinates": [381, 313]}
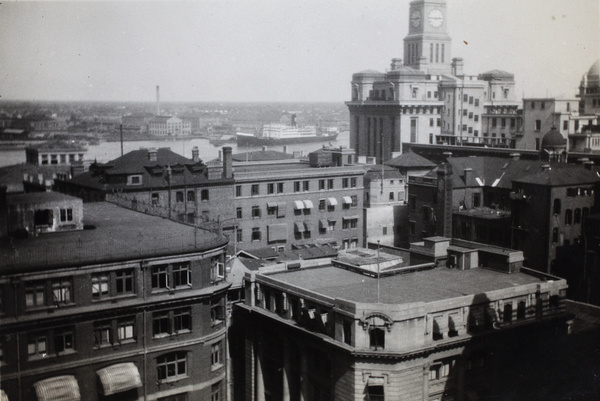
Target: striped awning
{"type": "Point", "coordinates": [347, 200]}
{"type": "Point", "coordinates": [118, 378]}
{"type": "Point", "coordinates": [299, 227]}
{"type": "Point", "coordinates": [59, 388]}
{"type": "Point", "coordinates": [308, 204]}
{"type": "Point", "coordinates": [298, 205]}
{"type": "Point", "coordinates": [331, 201]}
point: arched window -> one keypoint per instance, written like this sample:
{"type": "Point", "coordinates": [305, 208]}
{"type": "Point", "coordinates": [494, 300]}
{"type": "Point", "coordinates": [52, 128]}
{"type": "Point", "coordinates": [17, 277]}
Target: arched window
{"type": "Point", "coordinates": [521, 310]}
{"type": "Point", "coordinates": [508, 310]}
{"type": "Point", "coordinates": [577, 216]}
{"type": "Point", "coordinates": [376, 338]}
{"type": "Point", "coordinates": [555, 234]}
{"type": "Point", "coordinates": [556, 207]}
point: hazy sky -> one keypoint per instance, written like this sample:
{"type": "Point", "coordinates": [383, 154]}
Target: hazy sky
{"type": "Point", "coordinates": [274, 50]}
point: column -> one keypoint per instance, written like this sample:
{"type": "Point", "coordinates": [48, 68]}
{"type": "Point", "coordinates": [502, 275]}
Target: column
{"type": "Point", "coordinates": [260, 383]}
{"type": "Point", "coordinates": [304, 396]}
{"type": "Point", "coordinates": [286, 370]}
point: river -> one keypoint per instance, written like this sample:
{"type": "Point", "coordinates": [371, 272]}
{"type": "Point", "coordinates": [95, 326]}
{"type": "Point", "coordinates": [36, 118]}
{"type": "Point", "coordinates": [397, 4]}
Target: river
{"type": "Point", "coordinates": [106, 151]}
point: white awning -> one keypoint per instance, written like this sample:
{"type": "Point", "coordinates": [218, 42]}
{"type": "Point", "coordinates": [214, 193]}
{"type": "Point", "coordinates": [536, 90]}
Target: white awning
{"type": "Point", "coordinates": [353, 217]}
{"type": "Point", "coordinates": [118, 378]}
{"type": "Point", "coordinates": [323, 223]}
{"type": "Point", "coordinates": [271, 204]}
{"type": "Point", "coordinates": [298, 205]}
{"type": "Point", "coordinates": [281, 206]}
{"type": "Point", "coordinates": [331, 201]}
{"type": "Point", "coordinates": [299, 227]}
{"type": "Point", "coordinates": [308, 225]}
{"type": "Point", "coordinates": [308, 204]}
{"type": "Point", "coordinates": [347, 200]}
{"type": "Point", "coordinates": [59, 388]}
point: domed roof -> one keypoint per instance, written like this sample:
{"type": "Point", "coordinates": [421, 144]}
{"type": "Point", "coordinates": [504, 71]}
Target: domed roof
{"type": "Point", "coordinates": [594, 69]}
{"type": "Point", "coordinates": [553, 140]}
{"type": "Point", "coordinates": [592, 77]}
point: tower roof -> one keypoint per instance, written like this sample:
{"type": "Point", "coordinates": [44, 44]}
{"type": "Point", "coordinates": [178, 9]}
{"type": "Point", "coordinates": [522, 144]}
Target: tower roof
{"type": "Point", "coordinates": [553, 139]}
{"type": "Point", "coordinates": [497, 75]}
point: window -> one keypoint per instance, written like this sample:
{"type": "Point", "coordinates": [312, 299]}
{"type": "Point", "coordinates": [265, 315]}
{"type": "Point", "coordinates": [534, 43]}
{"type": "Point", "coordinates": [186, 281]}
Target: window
{"type": "Point", "coordinates": [465, 112]}
{"type": "Point", "coordinates": [191, 196]}
{"type": "Point", "coordinates": [494, 122]}
{"type": "Point", "coordinates": [270, 188]}
{"type": "Point", "coordinates": [256, 212]}
{"type": "Point", "coordinates": [271, 209]}
{"type": "Point", "coordinates": [476, 102]}
{"type": "Point", "coordinates": [217, 311]}
{"type": "Point", "coordinates": [557, 206]}
{"type": "Point", "coordinates": [321, 184]}
{"type": "Point", "coordinates": [476, 200]}
{"type": "Point", "coordinates": [215, 352]}
{"type": "Point", "coordinates": [353, 182]}
{"type": "Point", "coordinates": [103, 334]}
{"type": "Point", "coordinates": [182, 320]}
{"type": "Point", "coordinates": [476, 117]}
{"type": "Point", "coordinates": [507, 315]}
{"type": "Point", "coordinates": [376, 338]}
{"type": "Point", "coordinates": [565, 125]}
{"type": "Point", "coordinates": [322, 203]}
{"type": "Point", "coordinates": [204, 195]}
{"type": "Point", "coordinates": [280, 187]}
{"type": "Point", "coordinates": [384, 230]}
{"type": "Point", "coordinates": [431, 122]}
{"type": "Point", "coordinates": [331, 225]}
{"type": "Point", "coordinates": [238, 212]}
{"type": "Point", "coordinates": [64, 341]}
{"type": "Point", "coordinates": [391, 196]}
{"type": "Point", "coordinates": [255, 189]}
{"type": "Point", "coordinates": [179, 196]}
{"type": "Point", "coordinates": [161, 324]}
{"type": "Point", "coordinates": [61, 291]}
{"type": "Point", "coordinates": [521, 310]}
{"type": "Point", "coordinates": [347, 331]}
{"type": "Point", "coordinates": [330, 183]}
{"type": "Point", "coordinates": [215, 392]}
{"type": "Point", "coordinates": [35, 294]}
{"type": "Point", "coordinates": [37, 345]}
{"type": "Point", "coordinates": [238, 191]}
{"type": "Point", "coordinates": [160, 277]}
{"type": "Point", "coordinates": [125, 330]}
{"type": "Point", "coordinates": [296, 186]}
{"type": "Point", "coordinates": [543, 105]}
{"type": "Point", "coordinates": [375, 393]}
{"type": "Point", "coordinates": [345, 182]}
{"type": "Point", "coordinates": [182, 274]}
{"type": "Point", "coordinates": [354, 200]}
{"type": "Point", "coordinates": [465, 98]}
{"type": "Point", "coordinates": [155, 199]}
{"type": "Point", "coordinates": [538, 125]}
{"type": "Point", "coordinates": [66, 215]}
{"type": "Point", "coordinates": [577, 216]}
{"type": "Point", "coordinates": [100, 285]}
{"type": "Point", "coordinates": [171, 366]}
{"type": "Point", "coordinates": [568, 217]}
{"type": "Point", "coordinates": [256, 234]}
{"type": "Point", "coordinates": [555, 235]}
{"type": "Point", "coordinates": [305, 185]}
{"type": "Point", "coordinates": [238, 235]}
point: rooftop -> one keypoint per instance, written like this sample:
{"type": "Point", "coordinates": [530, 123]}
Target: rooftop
{"type": "Point", "coordinates": [113, 234]}
{"type": "Point", "coordinates": [419, 286]}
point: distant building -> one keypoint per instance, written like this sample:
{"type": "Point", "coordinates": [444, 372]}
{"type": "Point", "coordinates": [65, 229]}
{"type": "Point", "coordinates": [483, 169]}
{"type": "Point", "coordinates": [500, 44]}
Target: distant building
{"type": "Point", "coordinates": [169, 126]}
{"type": "Point", "coordinates": [385, 206]}
{"type": "Point", "coordinates": [130, 307]}
{"type": "Point", "coordinates": [427, 98]}
{"type": "Point", "coordinates": [589, 91]}
{"type": "Point", "coordinates": [59, 153]}
{"type": "Point", "coordinates": [411, 164]}
{"type": "Point", "coordinates": [375, 326]}
{"type": "Point", "coordinates": [290, 203]}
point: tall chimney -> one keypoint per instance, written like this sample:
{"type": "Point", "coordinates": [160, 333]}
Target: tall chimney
{"type": "Point", "coordinates": [468, 176]}
{"type": "Point", "coordinates": [457, 66]}
{"type": "Point", "coordinates": [227, 162]}
{"type": "Point", "coordinates": [195, 154]}
{"type": "Point", "coordinates": [157, 100]}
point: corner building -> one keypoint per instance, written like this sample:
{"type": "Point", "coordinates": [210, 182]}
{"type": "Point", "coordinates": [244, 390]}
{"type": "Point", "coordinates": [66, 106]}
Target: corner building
{"type": "Point", "coordinates": [129, 308]}
{"type": "Point", "coordinates": [382, 327]}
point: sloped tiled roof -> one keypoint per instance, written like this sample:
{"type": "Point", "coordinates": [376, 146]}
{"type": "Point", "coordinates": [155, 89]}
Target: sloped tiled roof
{"type": "Point", "coordinates": [374, 173]}
{"type": "Point", "coordinates": [411, 160]}
{"type": "Point", "coordinates": [561, 176]}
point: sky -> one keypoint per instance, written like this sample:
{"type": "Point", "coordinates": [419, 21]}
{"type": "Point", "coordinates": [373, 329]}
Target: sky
{"type": "Point", "coordinates": [274, 50]}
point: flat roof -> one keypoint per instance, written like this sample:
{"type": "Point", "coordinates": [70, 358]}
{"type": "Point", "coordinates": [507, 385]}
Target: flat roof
{"type": "Point", "coordinates": [118, 234]}
{"type": "Point", "coordinates": [420, 286]}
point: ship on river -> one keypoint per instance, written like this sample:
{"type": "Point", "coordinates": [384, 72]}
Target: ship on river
{"type": "Point", "coordinates": [286, 132]}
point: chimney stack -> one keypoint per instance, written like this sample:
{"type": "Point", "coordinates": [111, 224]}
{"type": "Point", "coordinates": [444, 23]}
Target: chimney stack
{"type": "Point", "coordinates": [396, 63]}
{"type": "Point", "coordinates": [227, 162]}
{"type": "Point", "coordinates": [195, 154]}
{"type": "Point", "coordinates": [157, 100]}
{"type": "Point", "coordinates": [468, 176]}
{"type": "Point", "coordinates": [457, 66]}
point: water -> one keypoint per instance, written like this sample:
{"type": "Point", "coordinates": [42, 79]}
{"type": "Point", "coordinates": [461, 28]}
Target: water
{"type": "Point", "coordinates": [106, 151]}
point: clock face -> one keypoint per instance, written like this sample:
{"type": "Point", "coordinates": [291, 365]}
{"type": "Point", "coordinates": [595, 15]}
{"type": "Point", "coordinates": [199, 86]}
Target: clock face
{"type": "Point", "coordinates": [415, 19]}
{"type": "Point", "coordinates": [436, 18]}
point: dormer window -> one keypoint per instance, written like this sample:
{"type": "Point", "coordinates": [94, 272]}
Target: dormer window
{"type": "Point", "coordinates": [134, 180]}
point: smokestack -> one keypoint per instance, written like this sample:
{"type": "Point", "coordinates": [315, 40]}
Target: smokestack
{"type": "Point", "coordinates": [227, 162]}
{"type": "Point", "coordinates": [157, 100]}
{"type": "Point", "coordinates": [195, 154]}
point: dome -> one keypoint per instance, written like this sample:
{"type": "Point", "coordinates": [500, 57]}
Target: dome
{"type": "Point", "coordinates": [592, 77]}
{"type": "Point", "coordinates": [553, 140]}
{"type": "Point", "coordinates": [594, 70]}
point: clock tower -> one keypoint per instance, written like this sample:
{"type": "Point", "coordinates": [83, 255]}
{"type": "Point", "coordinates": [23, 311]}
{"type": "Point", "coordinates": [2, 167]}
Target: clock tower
{"type": "Point", "coordinates": [427, 45]}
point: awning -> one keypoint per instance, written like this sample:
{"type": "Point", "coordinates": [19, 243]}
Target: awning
{"type": "Point", "coordinates": [299, 227]}
{"type": "Point", "coordinates": [331, 201]}
{"type": "Point", "coordinates": [271, 204]}
{"type": "Point", "coordinates": [59, 388]}
{"type": "Point", "coordinates": [308, 204]}
{"type": "Point", "coordinates": [323, 223]}
{"type": "Point", "coordinates": [118, 378]}
{"type": "Point", "coordinates": [353, 217]}
{"type": "Point", "coordinates": [276, 232]}
{"type": "Point", "coordinates": [3, 396]}
{"type": "Point", "coordinates": [308, 225]}
{"type": "Point", "coordinates": [375, 381]}
{"type": "Point", "coordinates": [281, 206]}
{"type": "Point", "coordinates": [298, 205]}
{"type": "Point", "coordinates": [347, 200]}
